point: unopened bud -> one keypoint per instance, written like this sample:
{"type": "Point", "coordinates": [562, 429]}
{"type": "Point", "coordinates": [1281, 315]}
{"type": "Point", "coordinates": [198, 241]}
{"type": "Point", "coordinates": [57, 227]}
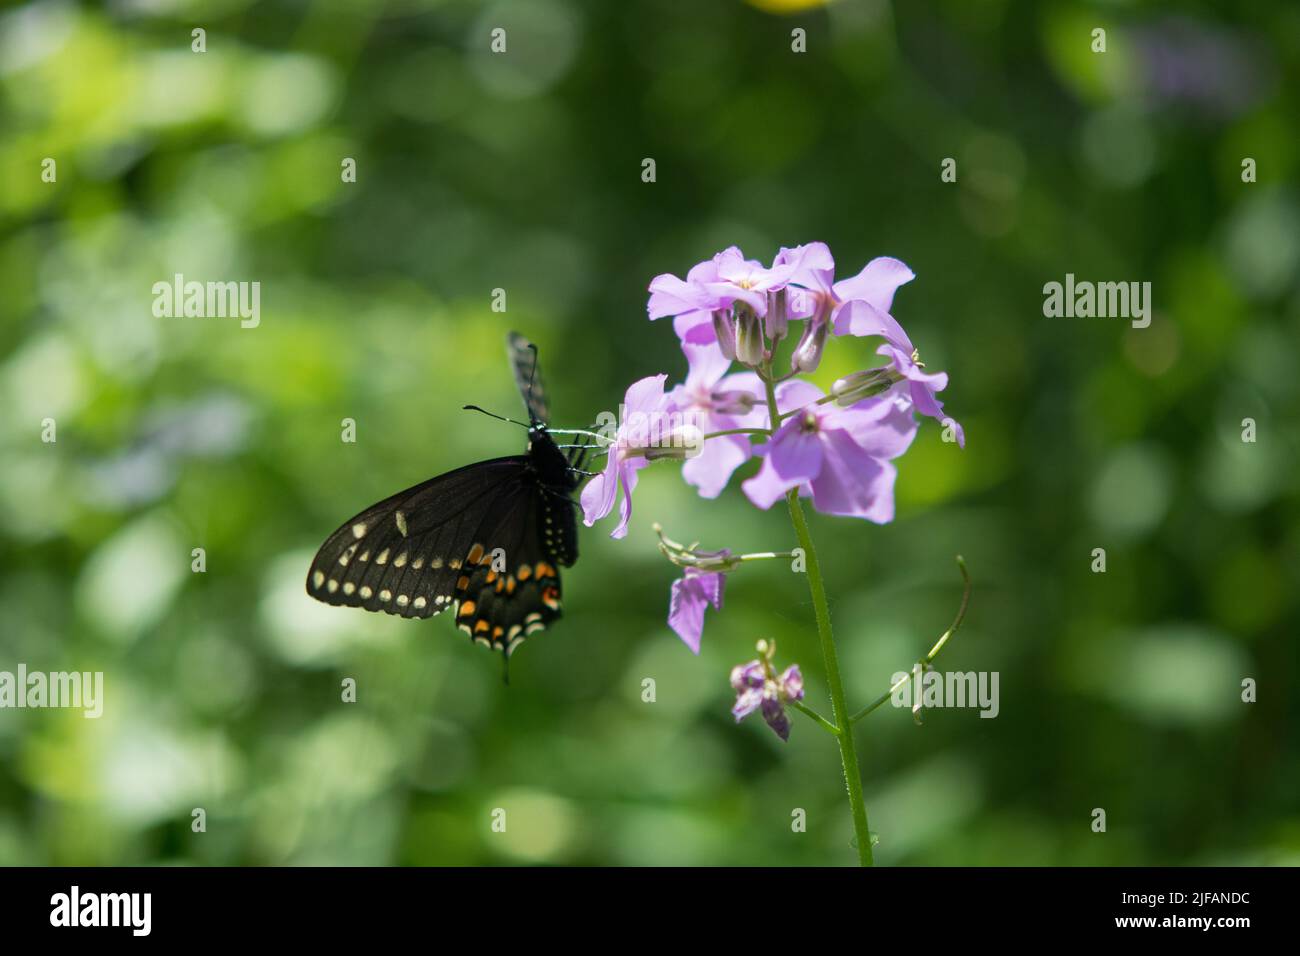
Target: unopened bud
{"type": "Point", "coordinates": [808, 353]}
{"type": "Point", "coordinates": [749, 337]}
{"type": "Point", "coordinates": [777, 315]}
{"type": "Point", "coordinates": [678, 444]}
{"type": "Point", "coordinates": [724, 327]}
{"type": "Point", "coordinates": [733, 402]}
{"type": "Point", "coordinates": [854, 388]}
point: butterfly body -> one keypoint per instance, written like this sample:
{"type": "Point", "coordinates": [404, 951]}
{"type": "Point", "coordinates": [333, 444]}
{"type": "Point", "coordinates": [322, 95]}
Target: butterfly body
{"type": "Point", "coordinates": [484, 542]}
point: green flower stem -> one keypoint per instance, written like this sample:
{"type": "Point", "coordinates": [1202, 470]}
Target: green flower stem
{"type": "Point", "coordinates": [737, 431]}
{"type": "Point", "coordinates": [843, 728]}
{"type": "Point", "coordinates": [809, 712]}
{"type": "Point", "coordinates": [934, 651]}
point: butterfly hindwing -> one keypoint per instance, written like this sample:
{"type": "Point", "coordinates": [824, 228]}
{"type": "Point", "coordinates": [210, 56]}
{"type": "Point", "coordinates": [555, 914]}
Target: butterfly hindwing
{"type": "Point", "coordinates": [511, 590]}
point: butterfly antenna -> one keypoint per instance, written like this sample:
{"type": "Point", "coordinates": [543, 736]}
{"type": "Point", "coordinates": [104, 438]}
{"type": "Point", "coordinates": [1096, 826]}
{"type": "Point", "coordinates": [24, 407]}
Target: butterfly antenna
{"type": "Point", "coordinates": [475, 408]}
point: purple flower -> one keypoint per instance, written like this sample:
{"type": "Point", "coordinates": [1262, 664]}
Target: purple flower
{"type": "Point", "coordinates": [920, 386]}
{"type": "Point", "coordinates": [714, 286]}
{"type": "Point", "coordinates": [715, 401]}
{"type": "Point", "coordinates": [860, 306]}
{"type": "Point", "coordinates": [643, 402]}
{"type": "Point", "coordinates": [757, 689]}
{"type": "Point", "coordinates": [691, 594]}
{"type": "Point", "coordinates": [839, 455]}
{"type": "Point", "coordinates": [819, 297]}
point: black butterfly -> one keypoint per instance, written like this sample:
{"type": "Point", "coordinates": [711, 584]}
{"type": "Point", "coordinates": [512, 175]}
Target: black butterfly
{"type": "Point", "coordinates": [486, 540]}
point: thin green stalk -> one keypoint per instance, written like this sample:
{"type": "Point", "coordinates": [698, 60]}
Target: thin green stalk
{"type": "Point", "coordinates": [737, 431]}
{"type": "Point", "coordinates": [809, 712]}
{"type": "Point", "coordinates": [934, 651]}
{"type": "Point", "coordinates": [839, 710]}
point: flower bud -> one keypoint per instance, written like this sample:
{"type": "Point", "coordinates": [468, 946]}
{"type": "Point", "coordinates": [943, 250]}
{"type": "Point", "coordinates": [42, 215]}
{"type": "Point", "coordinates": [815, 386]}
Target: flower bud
{"type": "Point", "coordinates": [679, 444]}
{"type": "Point", "coordinates": [854, 388]}
{"type": "Point", "coordinates": [808, 353]}
{"type": "Point", "coordinates": [724, 327]}
{"type": "Point", "coordinates": [749, 337]}
{"type": "Point", "coordinates": [733, 402]}
{"type": "Point", "coordinates": [777, 316]}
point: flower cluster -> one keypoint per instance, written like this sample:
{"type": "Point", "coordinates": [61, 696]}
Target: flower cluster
{"type": "Point", "coordinates": [750, 333]}
{"type": "Point", "coordinates": [758, 687]}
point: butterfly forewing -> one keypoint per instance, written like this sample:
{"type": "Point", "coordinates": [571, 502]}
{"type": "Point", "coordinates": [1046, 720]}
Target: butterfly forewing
{"type": "Point", "coordinates": [523, 359]}
{"type": "Point", "coordinates": [404, 555]}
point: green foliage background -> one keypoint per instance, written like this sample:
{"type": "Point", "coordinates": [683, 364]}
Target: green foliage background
{"type": "Point", "coordinates": [522, 171]}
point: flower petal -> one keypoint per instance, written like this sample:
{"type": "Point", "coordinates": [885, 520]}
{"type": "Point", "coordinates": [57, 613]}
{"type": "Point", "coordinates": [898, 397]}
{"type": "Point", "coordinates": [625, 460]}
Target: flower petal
{"type": "Point", "coordinates": [883, 426]}
{"type": "Point", "coordinates": [792, 683]}
{"type": "Point", "coordinates": [627, 475]}
{"type": "Point", "coordinates": [695, 327]}
{"type": "Point", "coordinates": [876, 283]}
{"type": "Point", "coordinates": [646, 395]}
{"type": "Point", "coordinates": [792, 457]}
{"type": "Point", "coordinates": [707, 364]}
{"type": "Point", "coordinates": [598, 496]}
{"type": "Point", "coordinates": [860, 318]}
{"type": "Point", "coordinates": [853, 483]}
{"type": "Point", "coordinates": [796, 393]}
{"type": "Point", "coordinates": [712, 468]}
{"type": "Point", "coordinates": [746, 703]}
{"type": "Point", "coordinates": [795, 454]}
{"type": "Point", "coordinates": [748, 676]}
{"type": "Point", "coordinates": [686, 611]}
{"type": "Point", "coordinates": [776, 717]}
{"type": "Point", "coordinates": [670, 295]}
{"type": "Point", "coordinates": [767, 487]}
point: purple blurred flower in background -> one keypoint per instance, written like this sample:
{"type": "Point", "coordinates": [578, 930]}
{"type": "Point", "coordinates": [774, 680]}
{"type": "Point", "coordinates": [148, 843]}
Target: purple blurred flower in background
{"type": "Point", "coordinates": [841, 455]}
{"type": "Point", "coordinates": [1216, 70]}
{"type": "Point", "coordinates": [626, 456]}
